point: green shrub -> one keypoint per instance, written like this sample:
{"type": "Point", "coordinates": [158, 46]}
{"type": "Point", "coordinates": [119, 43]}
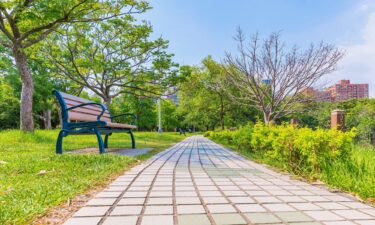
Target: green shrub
{"type": "Point", "coordinates": [302, 151]}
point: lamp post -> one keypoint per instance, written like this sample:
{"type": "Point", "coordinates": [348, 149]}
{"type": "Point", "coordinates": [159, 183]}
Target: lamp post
{"type": "Point", "coordinates": [159, 116]}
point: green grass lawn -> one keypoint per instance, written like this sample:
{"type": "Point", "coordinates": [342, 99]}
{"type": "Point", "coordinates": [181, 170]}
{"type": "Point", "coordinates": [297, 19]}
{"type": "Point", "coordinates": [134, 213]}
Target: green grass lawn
{"type": "Point", "coordinates": [356, 176]}
{"type": "Point", "coordinates": [26, 194]}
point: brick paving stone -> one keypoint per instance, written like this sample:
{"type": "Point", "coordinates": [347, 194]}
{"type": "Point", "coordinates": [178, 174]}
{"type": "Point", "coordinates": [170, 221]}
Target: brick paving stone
{"type": "Point", "coordinates": [197, 182]}
{"type": "Point", "coordinates": [228, 218]}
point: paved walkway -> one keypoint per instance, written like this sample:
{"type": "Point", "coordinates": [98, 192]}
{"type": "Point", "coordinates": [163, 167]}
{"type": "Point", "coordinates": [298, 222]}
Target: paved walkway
{"type": "Point", "coordinates": [197, 182]}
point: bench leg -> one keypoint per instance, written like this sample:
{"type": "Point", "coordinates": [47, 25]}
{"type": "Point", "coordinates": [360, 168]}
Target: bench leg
{"type": "Point", "coordinates": [106, 140]}
{"type": "Point", "coordinates": [133, 139]}
{"type": "Point", "coordinates": [100, 141]}
{"type": "Point", "coordinates": [59, 142]}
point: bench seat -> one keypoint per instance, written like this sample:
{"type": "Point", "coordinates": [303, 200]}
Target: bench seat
{"type": "Point", "coordinates": [82, 116]}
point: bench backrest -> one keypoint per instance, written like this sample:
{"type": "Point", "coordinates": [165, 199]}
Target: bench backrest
{"type": "Point", "coordinates": [84, 113]}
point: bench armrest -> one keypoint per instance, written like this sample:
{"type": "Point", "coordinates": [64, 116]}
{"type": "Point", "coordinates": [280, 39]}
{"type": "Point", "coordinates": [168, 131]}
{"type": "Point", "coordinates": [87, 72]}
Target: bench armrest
{"type": "Point", "coordinates": [90, 103]}
{"type": "Point", "coordinates": [126, 114]}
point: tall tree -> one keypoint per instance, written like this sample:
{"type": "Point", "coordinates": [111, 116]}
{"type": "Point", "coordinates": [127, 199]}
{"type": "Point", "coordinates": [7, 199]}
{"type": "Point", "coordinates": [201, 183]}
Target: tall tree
{"type": "Point", "coordinates": [272, 77]}
{"type": "Point", "coordinates": [28, 22]}
{"type": "Point", "coordinates": [112, 57]}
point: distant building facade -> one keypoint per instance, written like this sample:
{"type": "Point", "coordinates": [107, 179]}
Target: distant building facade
{"type": "Point", "coordinates": [341, 91]}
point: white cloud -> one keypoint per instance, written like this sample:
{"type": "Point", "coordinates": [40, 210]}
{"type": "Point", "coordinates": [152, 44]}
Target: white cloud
{"type": "Point", "coordinates": [358, 64]}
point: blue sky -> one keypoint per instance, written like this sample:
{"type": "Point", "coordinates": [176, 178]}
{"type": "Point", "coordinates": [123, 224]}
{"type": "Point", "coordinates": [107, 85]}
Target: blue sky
{"type": "Point", "coordinates": [196, 29]}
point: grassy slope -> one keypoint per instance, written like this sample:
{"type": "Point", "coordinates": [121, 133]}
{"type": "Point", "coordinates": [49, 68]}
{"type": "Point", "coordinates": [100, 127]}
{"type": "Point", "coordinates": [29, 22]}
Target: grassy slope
{"type": "Point", "coordinates": [356, 176]}
{"type": "Point", "coordinates": [25, 194]}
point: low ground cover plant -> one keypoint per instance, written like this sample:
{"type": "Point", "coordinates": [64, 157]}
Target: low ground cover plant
{"type": "Point", "coordinates": [325, 154]}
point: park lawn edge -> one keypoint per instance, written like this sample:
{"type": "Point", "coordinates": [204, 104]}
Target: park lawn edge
{"type": "Point", "coordinates": [319, 183]}
{"type": "Point", "coordinates": [62, 212]}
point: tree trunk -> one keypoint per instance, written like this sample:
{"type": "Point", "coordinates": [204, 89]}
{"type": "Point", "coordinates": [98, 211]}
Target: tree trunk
{"type": "Point", "coordinates": [107, 101]}
{"type": "Point", "coordinates": [267, 117]}
{"type": "Point", "coordinates": [26, 108]}
{"type": "Point", "coordinates": [222, 113]}
{"type": "Point", "coordinates": [47, 119]}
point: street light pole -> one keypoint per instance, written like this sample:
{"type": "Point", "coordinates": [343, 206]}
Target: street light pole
{"type": "Point", "coordinates": [159, 116]}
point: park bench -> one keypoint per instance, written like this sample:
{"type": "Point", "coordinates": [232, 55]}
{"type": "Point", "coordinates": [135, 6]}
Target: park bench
{"type": "Point", "coordinates": [81, 116]}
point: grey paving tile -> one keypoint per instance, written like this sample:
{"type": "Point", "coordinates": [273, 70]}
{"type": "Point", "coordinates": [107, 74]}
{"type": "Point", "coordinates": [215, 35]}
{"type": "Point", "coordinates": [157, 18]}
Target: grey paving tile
{"type": "Point", "coordinates": [279, 207]}
{"type": "Point", "coordinates": [132, 201]}
{"type": "Point", "coordinates": [250, 208]}
{"type": "Point", "coordinates": [293, 217]}
{"type": "Point", "coordinates": [159, 210]}
{"type": "Point", "coordinates": [365, 222]}
{"type": "Point", "coordinates": [228, 219]}
{"type": "Point", "coordinates": [101, 201]}
{"type": "Point", "coordinates": [160, 201]}
{"type": "Point", "coordinates": [323, 216]}
{"type": "Point", "coordinates": [83, 221]}
{"type": "Point", "coordinates": [121, 220]}
{"type": "Point", "coordinates": [187, 200]}
{"type": "Point", "coordinates": [193, 220]}
{"type": "Point", "coordinates": [241, 199]}
{"type": "Point", "coordinates": [126, 210]}
{"type": "Point", "coordinates": [91, 211]}
{"type": "Point", "coordinates": [353, 214]}
{"type": "Point", "coordinates": [214, 200]}
{"type": "Point", "coordinates": [190, 209]}
{"type": "Point", "coordinates": [221, 208]}
{"type": "Point", "coordinates": [264, 218]}
{"type": "Point", "coordinates": [157, 220]}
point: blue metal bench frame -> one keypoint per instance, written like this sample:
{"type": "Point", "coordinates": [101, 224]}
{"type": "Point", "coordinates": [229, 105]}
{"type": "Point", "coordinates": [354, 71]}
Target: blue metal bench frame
{"type": "Point", "coordinates": [92, 127]}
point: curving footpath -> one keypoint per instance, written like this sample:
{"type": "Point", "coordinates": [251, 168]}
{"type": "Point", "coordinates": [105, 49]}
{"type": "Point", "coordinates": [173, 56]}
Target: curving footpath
{"type": "Point", "coordinates": [197, 182]}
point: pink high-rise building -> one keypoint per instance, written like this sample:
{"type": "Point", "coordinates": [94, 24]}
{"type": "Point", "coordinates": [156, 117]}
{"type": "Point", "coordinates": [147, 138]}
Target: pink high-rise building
{"type": "Point", "coordinates": [344, 90]}
{"type": "Point", "coordinates": [341, 91]}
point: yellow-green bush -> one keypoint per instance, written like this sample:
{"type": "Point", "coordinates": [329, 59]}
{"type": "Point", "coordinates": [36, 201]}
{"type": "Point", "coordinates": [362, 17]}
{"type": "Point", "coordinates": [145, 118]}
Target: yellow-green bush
{"type": "Point", "coordinates": [301, 150]}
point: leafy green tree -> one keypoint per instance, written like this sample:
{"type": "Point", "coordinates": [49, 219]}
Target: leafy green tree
{"type": "Point", "coordinates": [170, 119]}
{"type": "Point", "coordinates": [25, 23]}
{"type": "Point", "coordinates": [112, 57]}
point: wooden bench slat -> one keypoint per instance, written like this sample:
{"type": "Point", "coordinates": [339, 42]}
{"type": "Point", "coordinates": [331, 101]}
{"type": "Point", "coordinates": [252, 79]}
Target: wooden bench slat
{"type": "Point", "coordinates": [120, 125]}
{"type": "Point", "coordinates": [85, 117]}
{"type": "Point", "coordinates": [90, 112]}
